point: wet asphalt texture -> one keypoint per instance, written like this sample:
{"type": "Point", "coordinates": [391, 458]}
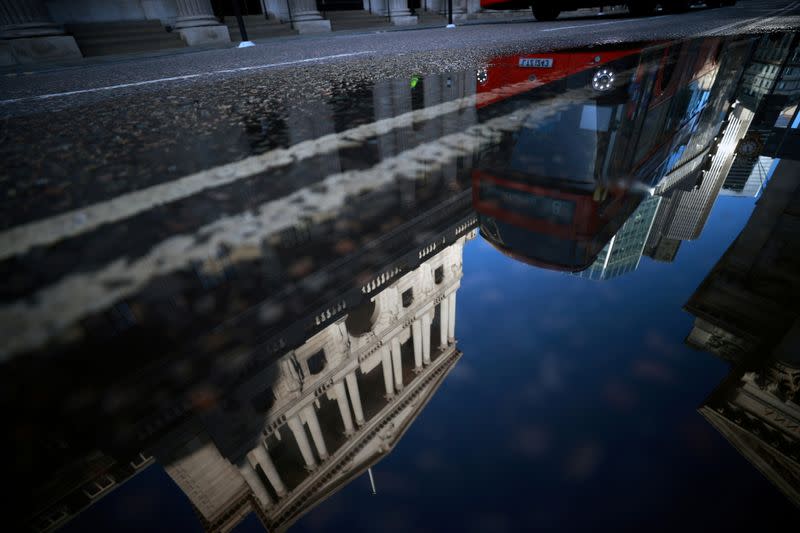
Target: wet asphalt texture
{"type": "Point", "coordinates": [63, 151]}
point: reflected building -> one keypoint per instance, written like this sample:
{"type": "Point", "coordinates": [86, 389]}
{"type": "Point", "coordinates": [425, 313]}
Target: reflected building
{"type": "Point", "coordinates": [644, 131]}
{"type": "Point", "coordinates": [770, 85]}
{"type": "Point", "coordinates": [272, 339]}
{"type": "Point", "coordinates": [292, 425]}
{"type": "Point", "coordinates": [752, 185]}
{"type": "Point", "coordinates": [746, 313]}
{"type": "Point", "coordinates": [734, 165]}
{"type": "Point", "coordinates": [296, 431]}
{"type": "Point", "coordinates": [624, 251]}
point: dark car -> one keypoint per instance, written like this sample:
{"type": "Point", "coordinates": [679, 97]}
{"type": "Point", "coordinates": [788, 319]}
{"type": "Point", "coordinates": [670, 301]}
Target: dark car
{"type": "Point", "coordinates": [549, 10]}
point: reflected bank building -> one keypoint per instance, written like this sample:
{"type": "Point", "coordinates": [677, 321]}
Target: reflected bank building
{"type": "Point", "coordinates": [292, 431]}
{"type": "Point", "coordinates": [327, 410]}
{"type": "Point", "coordinates": [265, 374]}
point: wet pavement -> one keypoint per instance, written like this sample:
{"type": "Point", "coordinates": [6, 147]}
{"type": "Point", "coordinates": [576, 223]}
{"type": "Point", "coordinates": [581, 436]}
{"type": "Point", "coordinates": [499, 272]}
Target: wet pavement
{"type": "Point", "coordinates": [231, 302]}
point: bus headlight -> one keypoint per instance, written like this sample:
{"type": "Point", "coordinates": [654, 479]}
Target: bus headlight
{"type": "Point", "coordinates": [603, 80]}
{"type": "Point", "coordinates": [482, 75]}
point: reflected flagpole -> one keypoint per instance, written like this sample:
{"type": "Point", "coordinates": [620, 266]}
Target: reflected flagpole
{"type": "Point", "coordinates": [371, 480]}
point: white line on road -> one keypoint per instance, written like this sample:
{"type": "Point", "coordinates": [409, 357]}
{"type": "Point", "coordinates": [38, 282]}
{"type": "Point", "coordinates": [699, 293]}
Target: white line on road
{"type": "Point", "coordinates": [178, 78]}
{"type": "Point", "coordinates": [30, 322]}
{"type": "Point", "coordinates": [19, 239]}
{"type": "Point", "coordinates": [590, 25]}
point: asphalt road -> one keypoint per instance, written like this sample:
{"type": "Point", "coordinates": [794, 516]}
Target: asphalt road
{"type": "Point", "coordinates": [372, 55]}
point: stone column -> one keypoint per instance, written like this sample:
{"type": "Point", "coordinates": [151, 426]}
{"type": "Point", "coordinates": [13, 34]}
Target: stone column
{"type": "Point", "coordinates": [434, 6]}
{"type": "Point", "coordinates": [300, 436]}
{"type": "Point", "coordinates": [416, 334]}
{"type": "Point", "coordinates": [397, 364]}
{"type": "Point", "coordinates": [197, 24]}
{"type": "Point", "coordinates": [254, 482]}
{"type": "Point", "coordinates": [459, 10]}
{"type": "Point", "coordinates": [376, 7]}
{"type": "Point", "coordinates": [443, 322]}
{"type": "Point", "coordinates": [344, 408]}
{"type": "Point", "coordinates": [29, 35]}
{"type": "Point", "coordinates": [262, 457]}
{"type": "Point", "coordinates": [316, 431]}
{"type": "Point", "coordinates": [451, 317]}
{"type": "Point", "coordinates": [399, 13]}
{"type": "Point", "coordinates": [355, 397]}
{"type": "Point", "coordinates": [278, 9]}
{"type": "Point", "coordinates": [426, 338]}
{"type": "Point", "coordinates": [306, 18]}
{"type": "Point", "coordinates": [386, 363]}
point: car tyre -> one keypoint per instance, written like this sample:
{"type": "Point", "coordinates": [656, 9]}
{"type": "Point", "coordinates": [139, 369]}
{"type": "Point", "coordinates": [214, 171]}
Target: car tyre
{"type": "Point", "coordinates": [642, 8]}
{"type": "Point", "coordinates": [676, 6]}
{"type": "Point", "coordinates": [545, 12]}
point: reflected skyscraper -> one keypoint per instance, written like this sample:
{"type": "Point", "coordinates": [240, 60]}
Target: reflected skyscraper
{"type": "Point", "coordinates": [624, 251]}
{"type": "Point", "coordinates": [769, 88]}
{"type": "Point", "coordinates": [735, 165]}
{"type": "Point", "coordinates": [645, 136]}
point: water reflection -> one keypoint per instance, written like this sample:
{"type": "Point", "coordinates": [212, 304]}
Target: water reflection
{"type": "Point", "coordinates": [562, 189]}
{"type": "Point", "coordinates": [269, 336]}
{"type": "Point", "coordinates": [746, 311]}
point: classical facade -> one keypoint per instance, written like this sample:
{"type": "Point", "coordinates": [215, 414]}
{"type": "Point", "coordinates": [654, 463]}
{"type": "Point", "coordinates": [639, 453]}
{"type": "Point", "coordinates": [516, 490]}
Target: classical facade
{"type": "Point", "coordinates": [290, 433]}
{"type": "Point", "coordinates": [746, 313]}
{"type": "Point", "coordinates": [302, 319]}
{"type": "Point", "coordinates": [57, 30]}
{"type": "Point", "coordinates": [326, 411]}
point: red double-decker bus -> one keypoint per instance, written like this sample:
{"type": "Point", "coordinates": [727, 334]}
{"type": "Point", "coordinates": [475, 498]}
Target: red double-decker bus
{"type": "Point", "coordinates": [603, 126]}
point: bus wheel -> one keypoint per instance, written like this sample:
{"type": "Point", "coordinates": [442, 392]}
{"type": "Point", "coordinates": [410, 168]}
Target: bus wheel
{"type": "Point", "coordinates": [676, 6]}
{"type": "Point", "coordinates": [545, 12]}
{"type": "Point", "coordinates": [642, 8]}
{"type": "Point", "coordinates": [713, 3]}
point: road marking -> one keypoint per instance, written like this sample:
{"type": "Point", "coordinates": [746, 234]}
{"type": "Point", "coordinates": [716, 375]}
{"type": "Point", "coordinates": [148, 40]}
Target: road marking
{"type": "Point", "coordinates": [31, 322]}
{"type": "Point", "coordinates": [591, 25]}
{"type": "Point", "coordinates": [178, 78]}
{"type": "Point", "coordinates": [20, 239]}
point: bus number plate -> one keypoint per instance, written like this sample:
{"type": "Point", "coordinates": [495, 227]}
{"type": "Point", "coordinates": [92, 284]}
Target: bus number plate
{"type": "Point", "coordinates": [536, 62]}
